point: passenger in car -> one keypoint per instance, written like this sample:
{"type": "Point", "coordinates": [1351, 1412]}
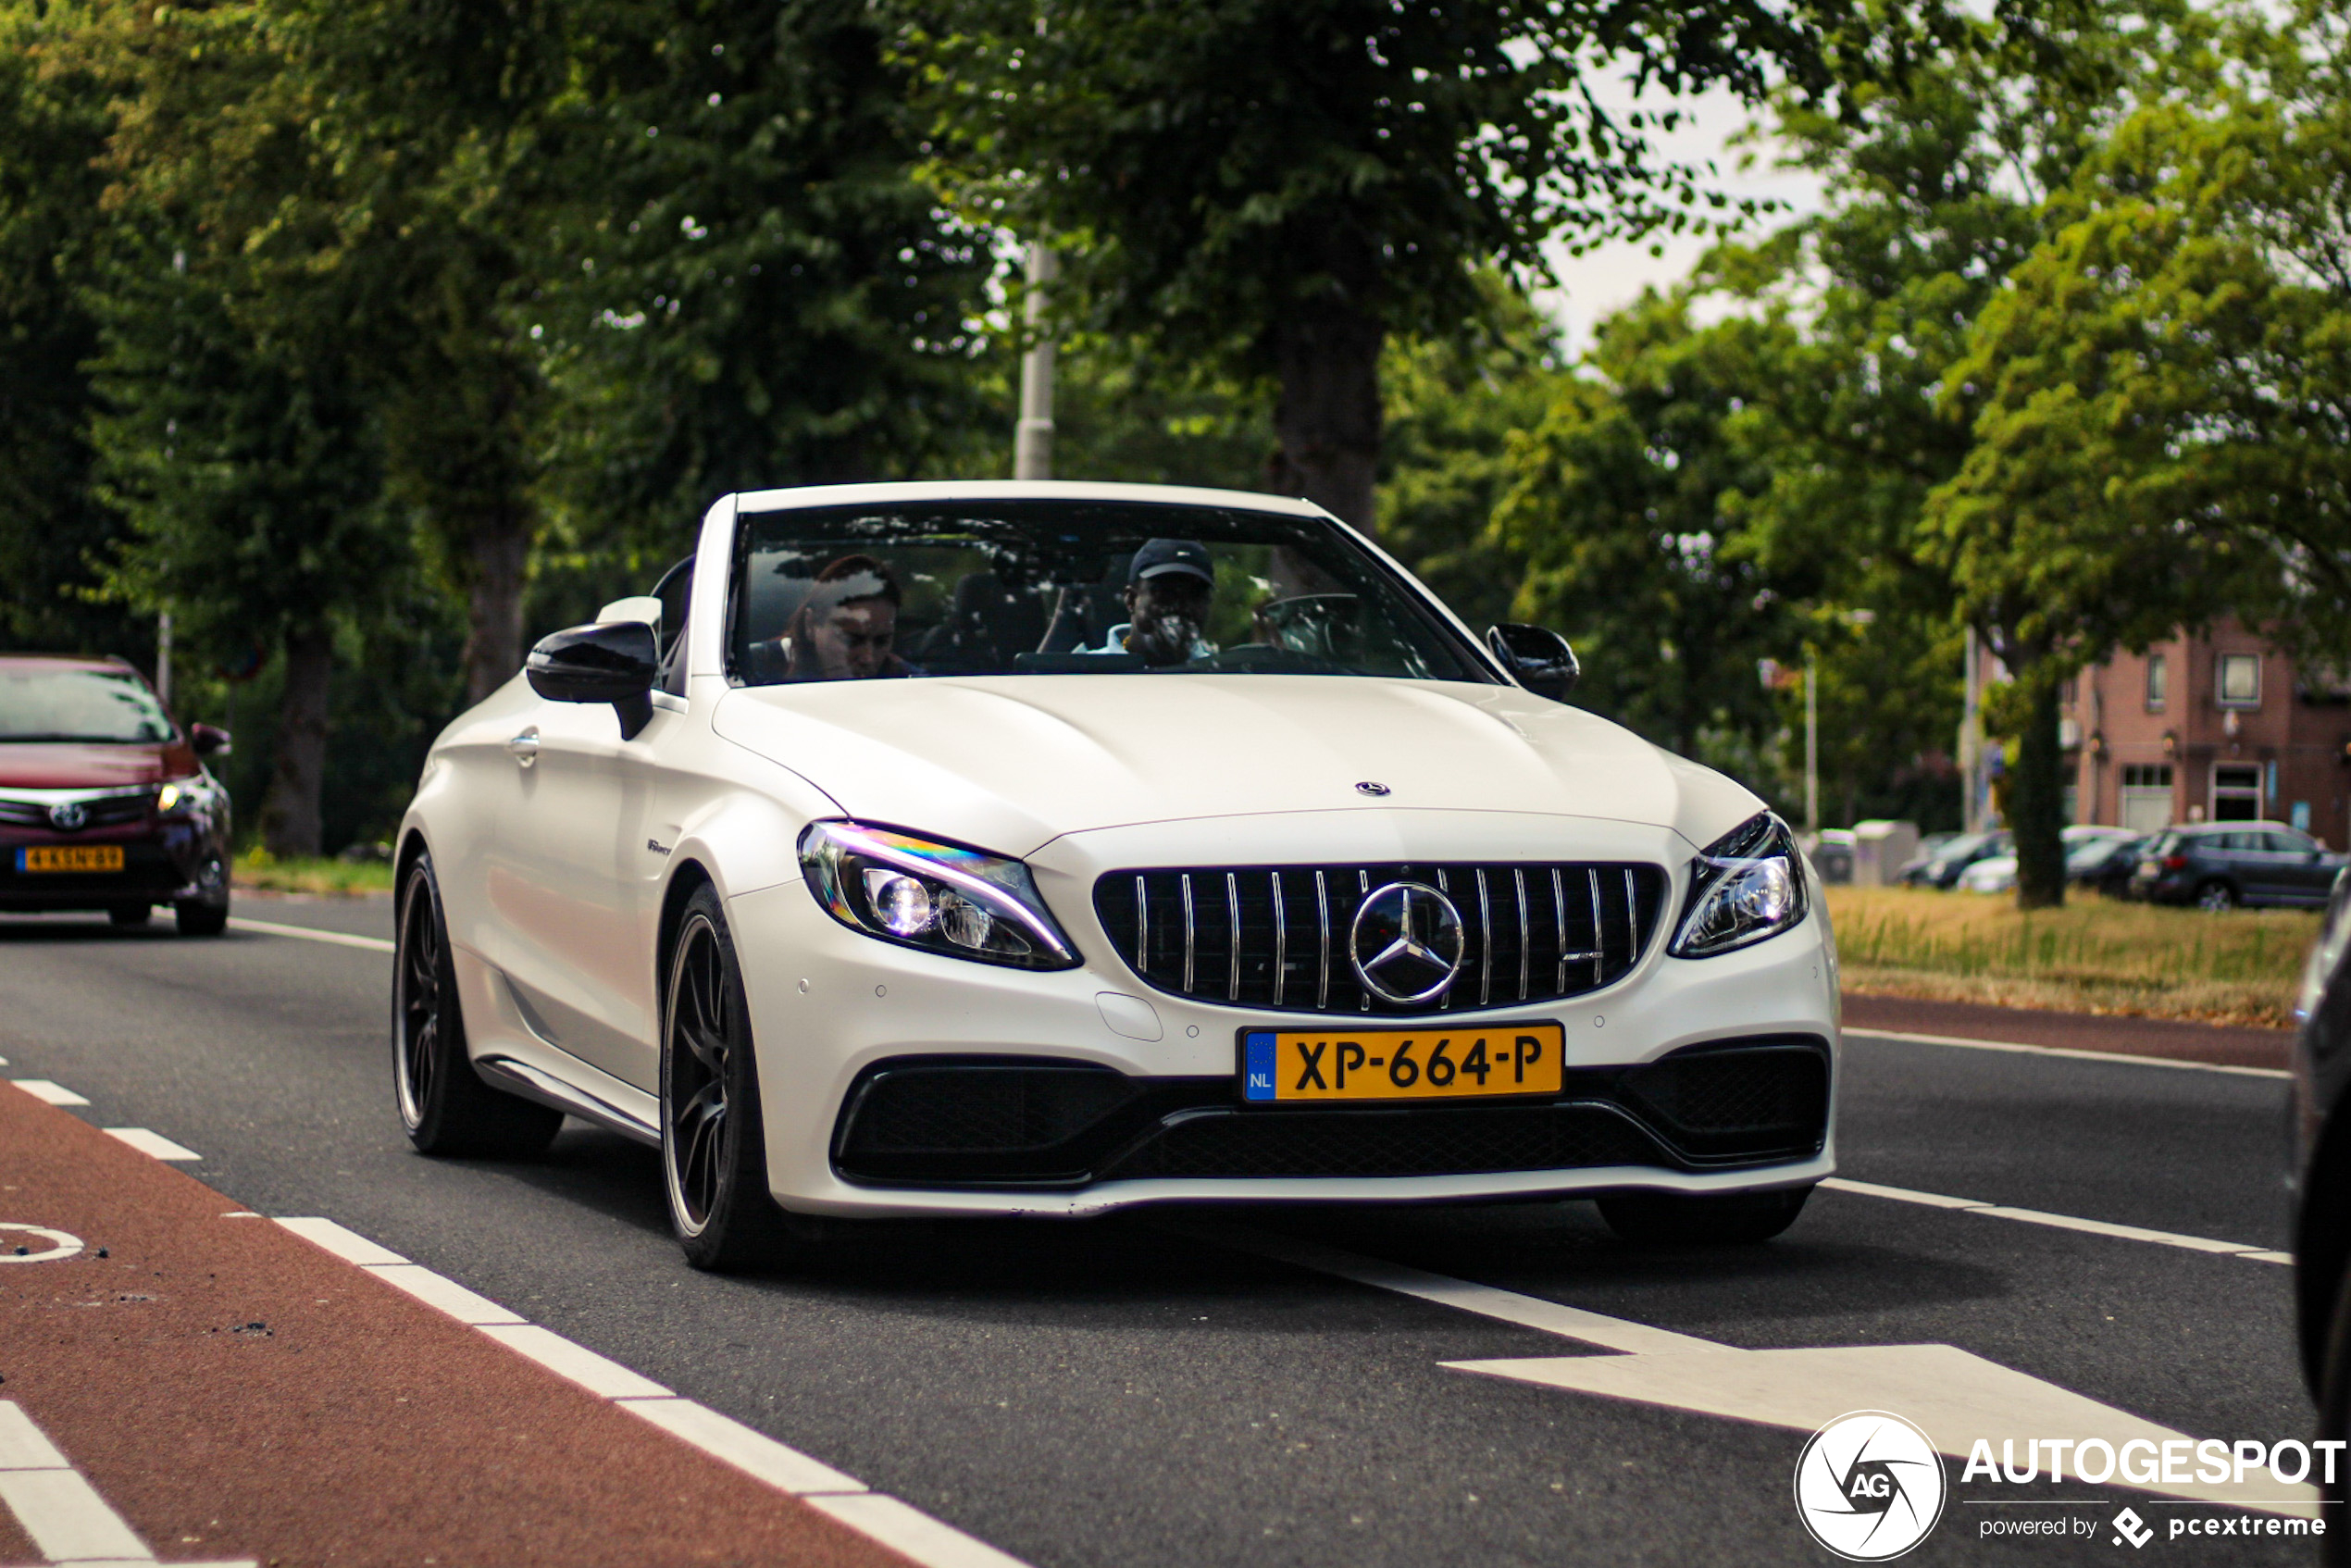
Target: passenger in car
{"type": "Point", "coordinates": [847, 627]}
{"type": "Point", "coordinates": [1170, 585]}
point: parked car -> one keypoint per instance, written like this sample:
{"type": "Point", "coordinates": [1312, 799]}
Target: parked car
{"type": "Point", "coordinates": [1942, 869]}
{"type": "Point", "coordinates": [2106, 864]}
{"type": "Point", "coordinates": [1997, 873]}
{"type": "Point", "coordinates": [104, 802]}
{"type": "Point", "coordinates": [1045, 849]}
{"type": "Point", "coordinates": [2319, 1181]}
{"type": "Point", "coordinates": [2223, 864]}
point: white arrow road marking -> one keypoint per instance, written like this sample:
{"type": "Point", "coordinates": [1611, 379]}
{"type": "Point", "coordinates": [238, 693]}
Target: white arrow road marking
{"type": "Point", "coordinates": [1955, 1396]}
{"type": "Point", "coordinates": [58, 1506]}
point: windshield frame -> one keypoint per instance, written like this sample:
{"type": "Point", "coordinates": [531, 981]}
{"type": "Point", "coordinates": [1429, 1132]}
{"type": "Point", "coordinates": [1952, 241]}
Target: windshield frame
{"type": "Point", "coordinates": [1478, 665]}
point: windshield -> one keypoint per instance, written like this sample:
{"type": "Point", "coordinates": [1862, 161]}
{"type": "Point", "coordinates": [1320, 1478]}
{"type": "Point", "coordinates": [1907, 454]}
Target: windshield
{"type": "Point", "coordinates": [80, 704]}
{"type": "Point", "coordinates": [1035, 586]}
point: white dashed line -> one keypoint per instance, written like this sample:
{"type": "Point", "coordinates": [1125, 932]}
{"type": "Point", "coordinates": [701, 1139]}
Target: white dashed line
{"type": "Point", "coordinates": [155, 1143]}
{"type": "Point", "coordinates": [333, 939]}
{"type": "Point", "coordinates": [69, 1521]}
{"type": "Point", "coordinates": [1851, 1033]}
{"type": "Point", "coordinates": [899, 1525]}
{"type": "Point", "coordinates": [2060, 1222]}
{"type": "Point", "coordinates": [43, 1089]}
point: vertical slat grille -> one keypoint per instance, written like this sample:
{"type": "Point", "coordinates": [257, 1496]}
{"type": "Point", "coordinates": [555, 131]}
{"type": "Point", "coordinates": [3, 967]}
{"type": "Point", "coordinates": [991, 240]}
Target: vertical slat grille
{"type": "Point", "coordinates": [1226, 934]}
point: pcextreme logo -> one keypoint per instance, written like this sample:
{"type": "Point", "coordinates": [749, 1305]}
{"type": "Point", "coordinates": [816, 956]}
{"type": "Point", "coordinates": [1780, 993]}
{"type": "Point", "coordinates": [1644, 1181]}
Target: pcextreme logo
{"type": "Point", "coordinates": [1870, 1485]}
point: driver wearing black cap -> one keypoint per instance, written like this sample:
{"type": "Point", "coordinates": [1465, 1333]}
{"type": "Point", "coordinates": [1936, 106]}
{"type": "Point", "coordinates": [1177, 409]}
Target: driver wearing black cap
{"type": "Point", "coordinates": [1169, 585]}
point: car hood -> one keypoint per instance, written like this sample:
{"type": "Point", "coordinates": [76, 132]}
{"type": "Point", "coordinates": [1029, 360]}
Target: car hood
{"type": "Point", "coordinates": [1010, 763]}
{"type": "Point", "coordinates": [66, 764]}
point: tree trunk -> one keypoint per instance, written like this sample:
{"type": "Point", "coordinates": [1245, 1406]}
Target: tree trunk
{"type": "Point", "coordinates": [498, 549]}
{"type": "Point", "coordinates": [1327, 418]}
{"type": "Point", "coordinates": [290, 812]}
{"type": "Point", "coordinates": [2036, 797]}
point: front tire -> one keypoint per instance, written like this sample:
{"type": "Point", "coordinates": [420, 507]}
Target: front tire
{"type": "Point", "coordinates": [714, 1154]}
{"type": "Point", "coordinates": [444, 1104]}
{"type": "Point", "coordinates": [1728, 1219]}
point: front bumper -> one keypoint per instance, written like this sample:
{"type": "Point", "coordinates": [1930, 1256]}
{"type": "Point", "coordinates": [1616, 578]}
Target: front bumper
{"type": "Point", "coordinates": [163, 863]}
{"type": "Point", "coordinates": [831, 1008]}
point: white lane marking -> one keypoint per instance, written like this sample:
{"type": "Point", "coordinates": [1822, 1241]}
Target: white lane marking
{"type": "Point", "coordinates": [53, 1093]}
{"type": "Point", "coordinates": [932, 1543]}
{"type": "Point", "coordinates": [348, 1245]}
{"type": "Point", "coordinates": [1851, 1033]}
{"type": "Point", "coordinates": [444, 1294]}
{"type": "Point", "coordinates": [335, 939]}
{"type": "Point", "coordinates": [69, 1521]}
{"type": "Point", "coordinates": [62, 1244]}
{"type": "Point", "coordinates": [1967, 1393]}
{"type": "Point", "coordinates": [2060, 1222]}
{"type": "Point", "coordinates": [1528, 1311]}
{"type": "Point", "coordinates": [149, 1142]}
{"type": "Point", "coordinates": [569, 1359]}
{"type": "Point", "coordinates": [751, 1452]}
{"type": "Point", "coordinates": [910, 1532]}
{"type": "Point", "coordinates": [1954, 1396]}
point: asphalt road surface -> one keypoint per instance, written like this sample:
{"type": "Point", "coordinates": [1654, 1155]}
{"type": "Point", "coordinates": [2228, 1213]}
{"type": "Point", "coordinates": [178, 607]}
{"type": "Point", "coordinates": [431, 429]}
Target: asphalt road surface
{"type": "Point", "coordinates": [1173, 1389]}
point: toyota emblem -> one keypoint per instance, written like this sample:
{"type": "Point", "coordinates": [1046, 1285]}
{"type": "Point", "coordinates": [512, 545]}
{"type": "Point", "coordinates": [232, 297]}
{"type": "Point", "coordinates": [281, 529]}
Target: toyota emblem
{"type": "Point", "coordinates": [68, 815]}
{"type": "Point", "coordinates": [1407, 943]}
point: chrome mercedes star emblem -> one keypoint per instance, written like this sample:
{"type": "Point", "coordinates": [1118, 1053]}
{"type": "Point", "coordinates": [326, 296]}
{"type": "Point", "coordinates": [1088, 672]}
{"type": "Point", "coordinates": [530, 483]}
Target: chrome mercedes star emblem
{"type": "Point", "coordinates": [1407, 943]}
{"type": "Point", "coordinates": [68, 815]}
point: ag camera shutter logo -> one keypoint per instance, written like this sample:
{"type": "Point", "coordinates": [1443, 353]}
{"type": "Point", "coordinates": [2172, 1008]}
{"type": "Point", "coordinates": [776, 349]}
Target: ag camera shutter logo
{"type": "Point", "coordinates": [1870, 1485]}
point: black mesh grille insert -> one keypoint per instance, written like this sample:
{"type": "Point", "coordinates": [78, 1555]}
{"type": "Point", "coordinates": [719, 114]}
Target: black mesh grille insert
{"type": "Point", "coordinates": [1766, 1095]}
{"type": "Point", "coordinates": [1228, 1143]}
{"type": "Point", "coordinates": [1276, 937]}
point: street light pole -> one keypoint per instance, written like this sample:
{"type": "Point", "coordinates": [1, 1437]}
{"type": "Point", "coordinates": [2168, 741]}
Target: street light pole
{"type": "Point", "coordinates": [1972, 738]}
{"type": "Point", "coordinates": [163, 658]}
{"type": "Point", "coordinates": [1033, 438]}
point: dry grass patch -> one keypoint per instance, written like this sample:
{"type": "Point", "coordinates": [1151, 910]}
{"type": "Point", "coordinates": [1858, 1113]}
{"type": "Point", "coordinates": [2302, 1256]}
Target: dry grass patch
{"type": "Point", "coordinates": [2091, 956]}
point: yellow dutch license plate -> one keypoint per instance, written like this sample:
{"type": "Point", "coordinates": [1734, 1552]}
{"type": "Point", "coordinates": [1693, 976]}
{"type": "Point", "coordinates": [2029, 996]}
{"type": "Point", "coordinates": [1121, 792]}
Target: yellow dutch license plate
{"type": "Point", "coordinates": [69, 857]}
{"type": "Point", "coordinates": [1284, 1066]}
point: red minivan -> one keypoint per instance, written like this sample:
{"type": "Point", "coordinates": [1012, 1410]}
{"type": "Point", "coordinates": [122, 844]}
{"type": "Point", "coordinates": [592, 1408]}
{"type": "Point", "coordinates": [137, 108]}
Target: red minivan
{"type": "Point", "coordinates": [104, 802]}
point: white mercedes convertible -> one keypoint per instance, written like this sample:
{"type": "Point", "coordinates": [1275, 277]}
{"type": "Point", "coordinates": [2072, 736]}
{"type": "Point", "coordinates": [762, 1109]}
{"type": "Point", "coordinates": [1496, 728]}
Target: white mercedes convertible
{"type": "Point", "coordinates": [1044, 849]}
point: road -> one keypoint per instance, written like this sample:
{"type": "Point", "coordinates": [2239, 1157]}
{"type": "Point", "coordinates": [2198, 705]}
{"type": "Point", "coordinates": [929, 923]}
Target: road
{"type": "Point", "coordinates": [1147, 1391]}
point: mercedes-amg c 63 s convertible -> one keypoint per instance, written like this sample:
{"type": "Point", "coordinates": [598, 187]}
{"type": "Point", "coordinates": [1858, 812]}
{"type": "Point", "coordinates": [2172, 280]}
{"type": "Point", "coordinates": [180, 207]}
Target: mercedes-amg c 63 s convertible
{"type": "Point", "coordinates": [1045, 849]}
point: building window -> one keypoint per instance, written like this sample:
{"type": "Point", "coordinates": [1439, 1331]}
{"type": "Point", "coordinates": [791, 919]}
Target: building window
{"type": "Point", "coordinates": [2240, 683]}
{"type": "Point", "coordinates": [2158, 673]}
{"type": "Point", "coordinates": [2147, 796]}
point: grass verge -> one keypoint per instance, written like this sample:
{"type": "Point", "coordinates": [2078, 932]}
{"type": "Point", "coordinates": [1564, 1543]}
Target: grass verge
{"type": "Point", "coordinates": [257, 870]}
{"type": "Point", "coordinates": [2091, 956]}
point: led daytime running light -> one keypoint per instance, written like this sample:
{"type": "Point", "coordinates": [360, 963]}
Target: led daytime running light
{"type": "Point", "coordinates": [961, 917]}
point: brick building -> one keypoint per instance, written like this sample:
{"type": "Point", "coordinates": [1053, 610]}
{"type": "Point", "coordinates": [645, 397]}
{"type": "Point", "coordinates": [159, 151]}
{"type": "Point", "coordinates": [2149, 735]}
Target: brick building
{"type": "Point", "coordinates": [2218, 727]}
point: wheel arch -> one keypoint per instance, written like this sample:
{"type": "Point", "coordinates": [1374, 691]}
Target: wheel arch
{"type": "Point", "coordinates": [686, 877]}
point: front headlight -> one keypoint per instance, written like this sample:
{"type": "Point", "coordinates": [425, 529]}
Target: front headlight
{"type": "Point", "coordinates": [941, 898]}
{"type": "Point", "coordinates": [1745, 886]}
{"type": "Point", "coordinates": [178, 795]}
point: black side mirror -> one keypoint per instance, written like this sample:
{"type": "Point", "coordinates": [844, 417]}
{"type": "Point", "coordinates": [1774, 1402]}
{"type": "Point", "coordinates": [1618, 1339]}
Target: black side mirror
{"type": "Point", "coordinates": [1537, 658]}
{"type": "Point", "coordinates": [613, 663]}
{"type": "Point", "coordinates": [208, 741]}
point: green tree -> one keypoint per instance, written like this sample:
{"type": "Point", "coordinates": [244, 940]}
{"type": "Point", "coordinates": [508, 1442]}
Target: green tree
{"type": "Point", "coordinates": [54, 532]}
{"type": "Point", "coordinates": [1617, 504]}
{"type": "Point", "coordinates": [749, 287]}
{"type": "Point", "coordinates": [1279, 186]}
{"type": "Point", "coordinates": [2162, 396]}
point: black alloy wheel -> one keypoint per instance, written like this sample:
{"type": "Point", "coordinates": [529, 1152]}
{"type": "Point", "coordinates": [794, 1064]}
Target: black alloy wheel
{"type": "Point", "coordinates": [712, 1151]}
{"type": "Point", "coordinates": [444, 1106]}
{"type": "Point", "coordinates": [1727, 1219]}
